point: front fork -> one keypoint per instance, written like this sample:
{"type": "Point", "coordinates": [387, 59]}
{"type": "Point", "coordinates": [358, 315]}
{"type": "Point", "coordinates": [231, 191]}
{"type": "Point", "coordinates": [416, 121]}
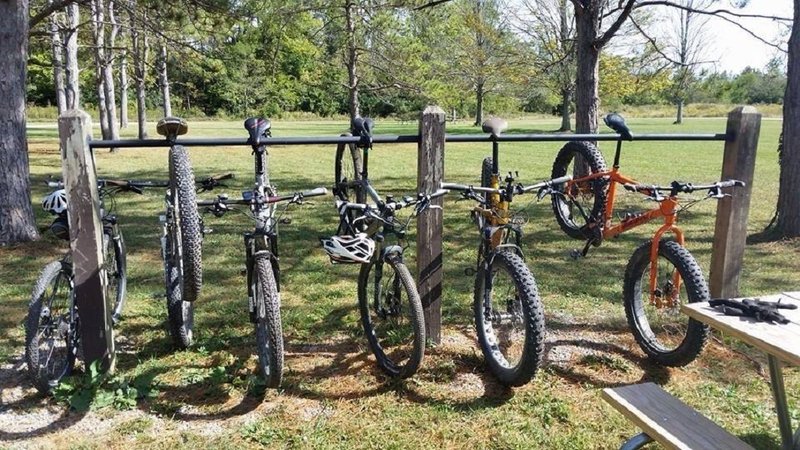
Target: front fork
{"type": "Point", "coordinates": [383, 255]}
{"type": "Point", "coordinates": [657, 297]}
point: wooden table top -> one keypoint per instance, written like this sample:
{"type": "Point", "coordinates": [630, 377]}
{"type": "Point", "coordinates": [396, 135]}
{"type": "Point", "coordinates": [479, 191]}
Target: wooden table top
{"type": "Point", "coordinates": [782, 341]}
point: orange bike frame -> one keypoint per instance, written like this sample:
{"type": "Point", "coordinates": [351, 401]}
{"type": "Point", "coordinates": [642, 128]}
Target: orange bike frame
{"type": "Point", "coordinates": [667, 209]}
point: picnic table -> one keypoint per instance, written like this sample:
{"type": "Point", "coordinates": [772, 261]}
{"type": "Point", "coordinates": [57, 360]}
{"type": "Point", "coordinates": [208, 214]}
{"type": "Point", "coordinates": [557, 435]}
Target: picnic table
{"type": "Point", "coordinates": [781, 343]}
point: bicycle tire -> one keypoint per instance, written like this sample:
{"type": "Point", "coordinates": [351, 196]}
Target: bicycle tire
{"type": "Point", "coordinates": [399, 361]}
{"type": "Point", "coordinates": [486, 174]}
{"type": "Point", "coordinates": [689, 342]}
{"type": "Point", "coordinates": [44, 378]}
{"type": "Point", "coordinates": [187, 218]}
{"type": "Point", "coordinates": [527, 304]}
{"type": "Point", "coordinates": [593, 193]}
{"type": "Point", "coordinates": [348, 167]}
{"type": "Point", "coordinates": [268, 327]}
{"type": "Point", "coordinates": [180, 314]}
{"type": "Point", "coordinates": [116, 270]}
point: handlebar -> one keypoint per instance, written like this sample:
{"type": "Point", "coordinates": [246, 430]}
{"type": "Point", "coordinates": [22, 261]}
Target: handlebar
{"type": "Point", "coordinates": [125, 185]}
{"type": "Point", "coordinates": [678, 187]}
{"type": "Point", "coordinates": [294, 198]}
{"type": "Point", "coordinates": [394, 205]}
{"type": "Point", "coordinates": [519, 189]}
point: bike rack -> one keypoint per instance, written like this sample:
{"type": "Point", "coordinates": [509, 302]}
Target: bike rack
{"type": "Point", "coordinates": [740, 137]}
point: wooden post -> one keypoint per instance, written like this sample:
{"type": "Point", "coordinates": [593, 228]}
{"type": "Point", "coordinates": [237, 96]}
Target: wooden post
{"type": "Point", "coordinates": [430, 170]}
{"type": "Point", "coordinates": [730, 230]}
{"type": "Point", "coordinates": [86, 237]}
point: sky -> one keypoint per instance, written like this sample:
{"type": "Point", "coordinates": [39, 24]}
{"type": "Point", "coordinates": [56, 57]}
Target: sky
{"type": "Point", "coordinates": [734, 49]}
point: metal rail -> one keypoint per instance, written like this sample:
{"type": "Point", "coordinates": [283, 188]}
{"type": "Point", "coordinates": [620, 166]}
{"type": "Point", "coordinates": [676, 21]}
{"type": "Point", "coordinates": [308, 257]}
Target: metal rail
{"type": "Point", "coordinates": [409, 138]}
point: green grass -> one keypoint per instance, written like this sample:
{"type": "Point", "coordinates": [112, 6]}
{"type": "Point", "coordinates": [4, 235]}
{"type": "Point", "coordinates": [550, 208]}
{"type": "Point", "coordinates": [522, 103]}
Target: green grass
{"type": "Point", "coordinates": [333, 395]}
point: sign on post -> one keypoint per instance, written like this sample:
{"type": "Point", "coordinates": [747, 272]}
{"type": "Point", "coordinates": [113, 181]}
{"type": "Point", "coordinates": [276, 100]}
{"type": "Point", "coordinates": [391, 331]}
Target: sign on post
{"type": "Point", "coordinates": [86, 237]}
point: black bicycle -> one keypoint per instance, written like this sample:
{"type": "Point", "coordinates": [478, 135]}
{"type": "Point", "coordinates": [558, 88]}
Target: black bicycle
{"type": "Point", "coordinates": [261, 251]}
{"type": "Point", "coordinates": [509, 315]}
{"type": "Point", "coordinates": [52, 326]}
{"type": "Point", "coordinates": [391, 310]}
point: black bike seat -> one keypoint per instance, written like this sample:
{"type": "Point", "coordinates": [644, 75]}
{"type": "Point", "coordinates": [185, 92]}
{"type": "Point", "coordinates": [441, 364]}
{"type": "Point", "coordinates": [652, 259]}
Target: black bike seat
{"type": "Point", "coordinates": [172, 126]}
{"type": "Point", "coordinates": [617, 123]}
{"type": "Point", "coordinates": [494, 126]}
{"type": "Point", "coordinates": [362, 126]}
{"type": "Point", "coordinates": [258, 127]}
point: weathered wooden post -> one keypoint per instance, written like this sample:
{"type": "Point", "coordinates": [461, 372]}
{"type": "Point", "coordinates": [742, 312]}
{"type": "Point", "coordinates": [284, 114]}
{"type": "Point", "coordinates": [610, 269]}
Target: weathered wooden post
{"type": "Point", "coordinates": [730, 230]}
{"type": "Point", "coordinates": [86, 237]}
{"type": "Point", "coordinates": [430, 170]}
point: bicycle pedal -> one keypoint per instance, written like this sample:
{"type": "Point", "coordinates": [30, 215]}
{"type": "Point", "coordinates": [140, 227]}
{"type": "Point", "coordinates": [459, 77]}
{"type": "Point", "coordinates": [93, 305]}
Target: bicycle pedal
{"type": "Point", "coordinates": [207, 230]}
{"type": "Point", "coordinates": [575, 254]}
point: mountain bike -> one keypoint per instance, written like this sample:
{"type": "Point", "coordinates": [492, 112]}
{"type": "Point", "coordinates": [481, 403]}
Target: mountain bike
{"type": "Point", "coordinates": [389, 303]}
{"type": "Point", "coordinates": [509, 315]}
{"type": "Point", "coordinates": [52, 326]}
{"type": "Point", "coordinates": [181, 237]}
{"type": "Point", "coordinates": [261, 251]}
{"type": "Point", "coordinates": [661, 273]}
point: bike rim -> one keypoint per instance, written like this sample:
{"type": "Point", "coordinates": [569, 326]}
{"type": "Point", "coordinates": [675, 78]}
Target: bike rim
{"type": "Point", "coordinates": [660, 320]}
{"type": "Point", "coordinates": [55, 332]}
{"type": "Point", "coordinates": [505, 325]}
{"type": "Point", "coordinates": [390, 318]}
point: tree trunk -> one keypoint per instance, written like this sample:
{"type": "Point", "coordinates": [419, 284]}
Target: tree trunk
{"type": "Point", "coordinates": [479, 103]}
{"type": "Point", "coordinates": [123, 90]}
{"type": "Point", "coordinates": [164, 81]}
{"type": "Point", "coordinates": [72, 88]}
{"type": "Point", "coordinates": [98, 32]}
{"type": "Point", "coordinates": [139, 73]}
{"type": "Point", "coordinates": [679, 114]}
{"type": "Point", "coordinates": [566, 99]}
{"type": "Point", "coordinates": [588, 58]}
{"type": "Point", "coordinates": [17, 223]}
{"type": "Point", "coordinates": [58, 62]}
{"type": "Point", "coordinates": [352, 62]}
{"type": "Point", "coordinates": [788, 224]}
{"type": "Point", "coordinates": [108, 74]}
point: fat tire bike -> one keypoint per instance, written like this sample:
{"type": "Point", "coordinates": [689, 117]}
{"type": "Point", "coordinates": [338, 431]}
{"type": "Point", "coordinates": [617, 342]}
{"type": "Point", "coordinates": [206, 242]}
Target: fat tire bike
{"type": "Point", "coordinates": [508, 312]}
{"type": "Point", "coordinates": [661, 274]}
{"type": "Point", "coordinates": [261, 252]}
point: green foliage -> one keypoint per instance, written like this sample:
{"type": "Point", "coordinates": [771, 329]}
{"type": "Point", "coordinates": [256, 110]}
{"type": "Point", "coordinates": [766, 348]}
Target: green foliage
{"type": "Point", "coordinates": [98, 390]}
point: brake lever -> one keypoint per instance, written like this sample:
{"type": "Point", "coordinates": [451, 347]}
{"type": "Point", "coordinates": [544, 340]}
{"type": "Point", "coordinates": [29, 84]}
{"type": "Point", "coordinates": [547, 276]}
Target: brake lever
{"type": "Point", "coordinates": [716, 192]}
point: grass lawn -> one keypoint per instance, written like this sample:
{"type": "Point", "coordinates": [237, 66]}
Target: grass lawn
{"type": "Point", "coordinates": [333, 395]}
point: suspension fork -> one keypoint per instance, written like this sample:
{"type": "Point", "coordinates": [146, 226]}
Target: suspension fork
{"type": "Point", "coordinates": [670, 218]}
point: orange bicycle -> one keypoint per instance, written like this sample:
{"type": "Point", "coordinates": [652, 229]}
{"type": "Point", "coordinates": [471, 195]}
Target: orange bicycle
{"type": "Point", "coordinates": [661, 271]}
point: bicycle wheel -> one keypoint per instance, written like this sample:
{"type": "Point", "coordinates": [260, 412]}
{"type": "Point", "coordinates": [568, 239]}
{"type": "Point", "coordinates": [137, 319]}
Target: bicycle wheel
{"type": "Point", "coordinates": [269, 332]}
{"type": "Point", "coordinates": [486, 173]}
{"type": "Point", "coordinates": [180, 314]}
{"type": "Point", "coordinates": [348, 168]}
{"type": "Point", "coordinates": [511, 332]}
{"type": "Point", "coordinates": [115, 264]}
{"type": "Point", "coordinates": [186, 217]}
{"type": "Point", "coordinates": [391, 313]}
{"type": "Point", "coordinates": [664, 333]}
{"type": "Point", "coordinates": [51, 328]}
{"type": "Point", "coordinates": [585, 202]}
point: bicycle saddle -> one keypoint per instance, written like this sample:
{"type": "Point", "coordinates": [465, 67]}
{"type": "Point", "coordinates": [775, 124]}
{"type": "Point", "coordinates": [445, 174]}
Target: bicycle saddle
{"type": "Point", "coordinates": [494, 126]}
{"type": "Point", "coordinates": [258, 127]}
{"type": "Point", "coordinates": [172, 126]}
{"type": "Point", "coordinates": [617, 123]}
{"type": "Point", "coordinates": [362, 126]}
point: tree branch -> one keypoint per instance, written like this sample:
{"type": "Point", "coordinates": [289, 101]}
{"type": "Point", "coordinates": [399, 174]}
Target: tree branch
{"type": "Point", "coordinates": [45, 12]}
{"type": "Point", "coordinates": [612, 30]}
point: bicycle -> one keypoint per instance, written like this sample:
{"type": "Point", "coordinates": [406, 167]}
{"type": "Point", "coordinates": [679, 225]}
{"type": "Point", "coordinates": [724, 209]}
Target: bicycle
{"type": "Point", "coordinates": [389, 304]}
{"type": "Point", "coordinates": [658, 268]}
{"type": "Point", "coordinates": [181, 237]}
{"type": "Point", "coordinates": [509, 315]}
{"type": "Point", "coordinates": [261, 251]}
{"type": "Point", "coordinates": [52, 326]}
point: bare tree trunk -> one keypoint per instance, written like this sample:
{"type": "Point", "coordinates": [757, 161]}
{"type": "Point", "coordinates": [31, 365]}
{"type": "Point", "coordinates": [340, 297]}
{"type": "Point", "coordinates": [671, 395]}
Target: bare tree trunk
{"type": "Point", "coordinates": [139, 41]}
{"type": "Point", "coordinates": [108, 74]}
{"type": "Point", "coordinates": [588, 58]}
{"type": "Point", "coordinates": [479, 103]}
{"type": "Point", "coordinates": [58, 62]}
{"type": "Point", "coordinates": [566, 85]}
{"type": "Point", "coordinates": [352, 61]}
{"type": "Point", "coordinates": [123, 90]}
{"type": "Point", "coordinates": [17, 223]}
{"type": "Point", "coordinates": [72, 88]}
{"type": "Point", "coordinates": [788, 224]}
{"type": "Point", "coordinates": [164, 80]}
{"type": "Point", "coordinates": [679, 113]}
{"type": "Point", "coordinates": [566, 99]}
{"type": "Point", "coordinates": [98, 31]}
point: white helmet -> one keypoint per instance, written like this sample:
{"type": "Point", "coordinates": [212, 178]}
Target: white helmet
{"type": "Point", "coordinates": [349, 249]}
{"type": "Point", "coordinates": [55, 202]}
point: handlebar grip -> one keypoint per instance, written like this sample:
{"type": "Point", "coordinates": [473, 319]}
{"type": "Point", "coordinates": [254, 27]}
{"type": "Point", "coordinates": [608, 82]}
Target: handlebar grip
{"type": "Point", "coordinates": [560, 180]}
{"type": "Point", "coordinates": [454, 186]}
{"type": "Point", "coordinates": [315, 192]}
{"type": "Point", "coordinates": [731, 183]}
{"type": "Point", "coordinates": [439, 193]}
{"type": "Point", "coordinates": [55, 184]}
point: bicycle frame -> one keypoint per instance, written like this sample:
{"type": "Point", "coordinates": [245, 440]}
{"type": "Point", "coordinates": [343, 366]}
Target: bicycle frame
{"type": "Point", "coordinates": [667, 208]}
